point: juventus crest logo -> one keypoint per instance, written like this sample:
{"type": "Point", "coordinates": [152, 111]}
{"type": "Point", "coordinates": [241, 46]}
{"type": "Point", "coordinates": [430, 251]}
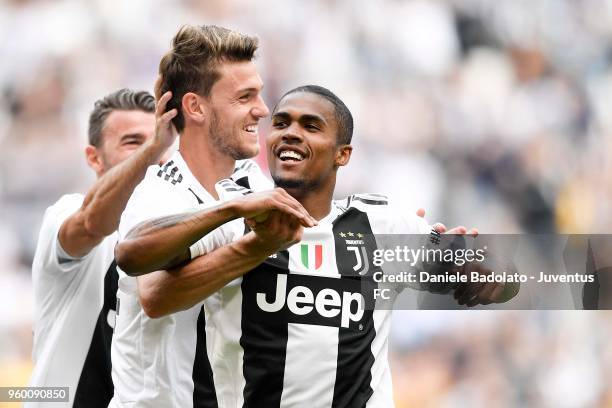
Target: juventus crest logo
{"type": "Point", "coordinates": [362, 266]}
{"type": "Point", "coordinates": [356, 245]}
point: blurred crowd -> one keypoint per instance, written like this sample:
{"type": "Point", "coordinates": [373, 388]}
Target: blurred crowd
{"type": "Point", "coordinates": [486, 113]}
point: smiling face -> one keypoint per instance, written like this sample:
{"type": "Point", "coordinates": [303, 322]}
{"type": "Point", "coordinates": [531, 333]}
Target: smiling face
{"type": "Point", "coordinates": [303, 149]}
{"type": "Point", "coordinates": [123, 133]}
{"type": "Point", "coordinates": [235, 106]}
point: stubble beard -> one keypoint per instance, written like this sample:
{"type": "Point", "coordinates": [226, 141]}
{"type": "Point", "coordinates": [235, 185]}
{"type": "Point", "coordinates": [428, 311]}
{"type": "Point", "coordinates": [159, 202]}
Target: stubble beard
{"type": "Point", "coordinates": [225, 141]}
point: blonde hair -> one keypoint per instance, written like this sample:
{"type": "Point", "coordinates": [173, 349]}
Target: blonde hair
{"type": "Point", "coordinates": [191, 65]}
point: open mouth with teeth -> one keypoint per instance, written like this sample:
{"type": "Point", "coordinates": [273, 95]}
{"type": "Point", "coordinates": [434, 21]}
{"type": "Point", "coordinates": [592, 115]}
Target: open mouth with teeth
{"type": "Point", "coordinates": [290, 156]}
{"type": "Point", "coordinates": [251, 128]}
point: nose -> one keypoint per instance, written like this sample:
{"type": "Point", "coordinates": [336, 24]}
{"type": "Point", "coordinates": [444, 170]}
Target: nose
{"type": "Point", "coordinates": [260, 110]}
{"type": "Point", "coordinates": [292, 134]}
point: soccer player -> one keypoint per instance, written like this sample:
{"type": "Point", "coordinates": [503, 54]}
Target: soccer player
{"type": "Point", "coordinates": [294, 330]}
{"type": "Point", "coordinates": [160, 359]}
{"type": "Point", "coordinates": [74, 275]}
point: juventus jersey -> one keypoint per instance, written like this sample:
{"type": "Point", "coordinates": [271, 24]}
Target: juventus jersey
{"type": "Point", "coordinates": [163, 362]}
{"type": "Point", "coordinates": [74, 313]}
{"type": "Point", "coordinates": [296, 331]}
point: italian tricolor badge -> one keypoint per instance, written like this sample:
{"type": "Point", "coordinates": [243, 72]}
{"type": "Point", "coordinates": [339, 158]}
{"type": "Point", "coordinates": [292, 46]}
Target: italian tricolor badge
{"type": "Point", "coordinates": [312, 255]}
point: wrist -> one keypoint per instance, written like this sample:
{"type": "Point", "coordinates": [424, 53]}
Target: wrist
{"type": "Point", "coordinates": [154, 150]}
{"type": "Point", "coordinates": [253, 245]}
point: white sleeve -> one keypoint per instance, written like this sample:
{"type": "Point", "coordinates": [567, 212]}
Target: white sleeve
{"type": "Point", "coordinates": [227, 189]}
{"type": "Point", "coordinates": [223, 235]}
{"type": "Point", "coordinates": [422, 237]}
{"type": "Point", "coordinates": [409, 223]}
{"type": "Point", "coordinates": [153, 198]}
{"type": "Point", "coordinates": [50, 257]}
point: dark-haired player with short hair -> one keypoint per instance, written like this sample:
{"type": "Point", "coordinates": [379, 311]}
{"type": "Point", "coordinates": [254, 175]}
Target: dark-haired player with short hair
{"type": "Point", "coordinates": [74, 274]}
{"type": "Point", "coordinates": [296, 330]}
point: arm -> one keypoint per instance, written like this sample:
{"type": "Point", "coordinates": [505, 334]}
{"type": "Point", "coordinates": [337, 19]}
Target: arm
{"type": "Point", "coordinates": [163, 243]}
{"type": "Point", "coordinates": [105, 201]}
{"type": "Point", "coordinates": [165, 292]}
{"type": "Point", "coordinates": [472, 294]}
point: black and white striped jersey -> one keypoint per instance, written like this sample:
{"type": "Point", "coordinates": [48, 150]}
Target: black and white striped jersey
{"type": "Point", "coordinates": [302, 328]}
{"type": "Point", "coordinates": [74, 313]}
{"type": "Point", "coordinates": [163, 362]}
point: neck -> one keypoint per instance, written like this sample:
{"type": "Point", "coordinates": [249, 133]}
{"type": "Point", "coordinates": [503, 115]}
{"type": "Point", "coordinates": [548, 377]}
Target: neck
{"type": "Point", "coordinates": [206, 163]}
{"type": "Point", "coordinates": [317, 201]}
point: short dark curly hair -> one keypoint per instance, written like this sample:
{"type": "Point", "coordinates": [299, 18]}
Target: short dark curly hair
{"type": "Point", "coordinates": [123, 99]}
{"type": "Point", "coordinates": [343, 115]}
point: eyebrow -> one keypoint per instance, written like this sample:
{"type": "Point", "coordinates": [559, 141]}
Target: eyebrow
{"type": "Point", "coordinates": [307, 117]}
{"type": "Point", "coordinates": [250, 89]}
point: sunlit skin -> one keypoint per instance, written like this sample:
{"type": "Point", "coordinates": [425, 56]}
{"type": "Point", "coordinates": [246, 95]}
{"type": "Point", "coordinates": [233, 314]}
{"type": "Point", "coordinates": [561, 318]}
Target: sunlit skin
{"type": "Point", "coordinates": [123, 133]}
{"type": "Point", "coordinates": [223, 125]}
{"type": "Point", "coordinates": [305, 123]}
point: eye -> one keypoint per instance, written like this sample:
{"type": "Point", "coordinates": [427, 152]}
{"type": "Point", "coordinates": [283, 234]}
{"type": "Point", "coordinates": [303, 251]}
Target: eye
{"type": "Point", "coordinates": [279, 125]}
{"type": "Point", "coordinates": [245, 97]}
{"type": "Point", "coordinates": [132, 142]}
{"type": "Point", "coordinates": [310, 127]}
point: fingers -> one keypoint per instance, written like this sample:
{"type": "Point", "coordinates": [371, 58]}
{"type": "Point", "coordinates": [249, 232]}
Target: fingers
{"type": "Point", "coordinates": [457, 231]}
{"type": "Point", "coordinates": [291, 206]}
{"type": "Point", "coordinates": [302, 216]}
{"type": "Point", "coordinates": [420, 212]}
{"type": "Point", "coordinates": [157, 87]}
{"type": "Point", "coordinates": [168, 116]}
{"type": "Point", "coordinates": [280, 229]}
{"type": "Point", "coordinates": [161, 104]}
{"type": "Point", "coordinates": [467, 293]}
{"type": "Point", "coordinates": [439, 227]}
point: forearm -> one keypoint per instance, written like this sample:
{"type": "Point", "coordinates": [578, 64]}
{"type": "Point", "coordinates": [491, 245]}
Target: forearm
{"type": "Point", "coordinates": [100, 213]}
{"type": "Point", "coordinates": [165, 292]}
{"type": "Point", "coordinates": [107, 199]}
{"type": "Point", "coordinates": [163, 242]}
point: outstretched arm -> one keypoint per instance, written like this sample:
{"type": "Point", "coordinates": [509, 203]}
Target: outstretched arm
{"type": "Point", "coordinates": [164, 292]}
{"type": "Point", "coordinates": [105, 201]}
{"type": "Point", "coordinates": [165, 242]}
{"type": "Point", "coordinates": [474, 293]}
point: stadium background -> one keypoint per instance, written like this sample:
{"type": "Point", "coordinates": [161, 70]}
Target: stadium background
{"type": "Point", "coordinates": [487, 113]}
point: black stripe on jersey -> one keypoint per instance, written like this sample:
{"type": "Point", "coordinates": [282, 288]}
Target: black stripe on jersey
{"type": "Point", "coordinates": [196, 196]}
{"type": "Point", "coordinates": [370, 199]}
{"type": "Point", "coordinates": [95, 387]}
{"type": "Point", "coordinates": [243, 182]}
{"type": "Point", "coordinates": [204, 394]}
{"type": "Point", "coordinates": [230, 189]}
{"type": "Point", "coordinates": [264, 345]}
{"type": "Point", "coordinates": [355, 358]}
{"type": "Point", "coordinates": [246, 165]}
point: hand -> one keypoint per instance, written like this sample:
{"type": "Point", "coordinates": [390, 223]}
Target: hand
{"type": "Point", "coordinates": [165, 133]}
{"type": "Point", "coordinates": [479, 293]}
{"type": "Point", "coordinates": [441, 228]}
{"type": "Point", "coordinates": [256, 208]}
{"type": "Point", "coordinates": [278, 232]}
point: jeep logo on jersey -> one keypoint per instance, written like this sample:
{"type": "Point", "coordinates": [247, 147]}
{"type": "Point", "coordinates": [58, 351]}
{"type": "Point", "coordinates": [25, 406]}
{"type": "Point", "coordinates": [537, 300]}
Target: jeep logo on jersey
{"type": "Point", "coordinates": [323, 304]}
{"type": "Point", "coordinates": [312, 255]}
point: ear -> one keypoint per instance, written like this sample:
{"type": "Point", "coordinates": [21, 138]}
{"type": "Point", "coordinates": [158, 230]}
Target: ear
{"type": "Point", "coordinates": [94, 159]}
{"type": "Point", "coordinates": [343, 155]}
{"type": "Point", "coordinates": [193, 108]}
